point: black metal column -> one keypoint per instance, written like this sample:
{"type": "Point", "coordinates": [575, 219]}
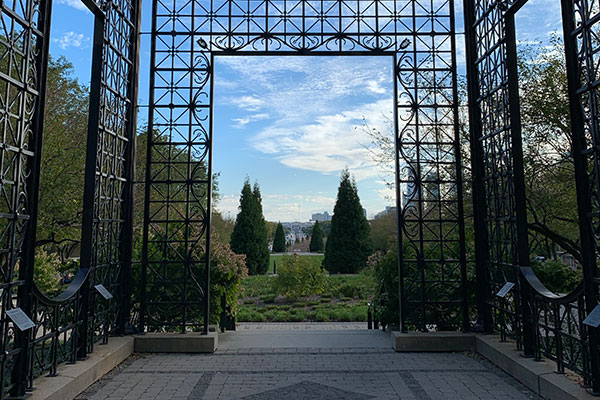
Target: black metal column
{"type": "Point", "coordinates": [91, 189]}
{"type": "Point", "coordinates": [484, 313]}
{"type": "Point", "coordinates": [583, 185]}
{"type": "Point", "coordinates": [26, 273]}
{"type": "Point", "coordinates": [518, 183]}
{"type": "Point", "coordinates": [126, 233]}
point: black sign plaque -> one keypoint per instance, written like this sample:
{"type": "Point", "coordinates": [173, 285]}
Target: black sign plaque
{"type": "Point", "coordinates": [505, 289]}
{"type": "Point", "coordinates": [21, 320]}
{"type": "Point", "coordinates": [103, 292]}
{"type": "Point", "coordinates": [593, 318]}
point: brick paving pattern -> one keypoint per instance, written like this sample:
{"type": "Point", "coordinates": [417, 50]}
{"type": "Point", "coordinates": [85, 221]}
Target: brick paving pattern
{"type": "Point", "coordinates": [331, 372]}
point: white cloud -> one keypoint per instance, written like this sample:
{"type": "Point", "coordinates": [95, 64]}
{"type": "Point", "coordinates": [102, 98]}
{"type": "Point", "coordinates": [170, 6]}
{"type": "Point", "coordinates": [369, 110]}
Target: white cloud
{"type": "Point", "coordinates": [298, 88]}
{"type": "Point", "coordinates": [328, 144]}
{"type": "Point", "coordinates": [228, 205]}
{"type": "Point", "coordinates": [77, 4]}
{"type": "Point", "coordinates": [248, 103]}
{"type": "Point", "coordinates": [375, 87]}
{"type": "Point", "coordinates": [71, 39]}
{"type": "Point", "coordinates": [281, 207]}
{"type": "Point", "coordinates": [241, 122]}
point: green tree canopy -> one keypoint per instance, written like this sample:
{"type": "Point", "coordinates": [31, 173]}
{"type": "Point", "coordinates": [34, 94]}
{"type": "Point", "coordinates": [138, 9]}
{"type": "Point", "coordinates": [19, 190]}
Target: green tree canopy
{"type": "Point", "coordinates": [279, 239]}
{"type": "Point", "coordinates": [316, 238]}
{"type": "Point", "coordinates": [63, 160]}
{"type": "Point", "coordinates": [249, 234]}
{"type": "Point", "coordinates": [349, 242]}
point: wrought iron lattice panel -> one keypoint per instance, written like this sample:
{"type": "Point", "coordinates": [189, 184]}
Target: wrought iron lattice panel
{"type": "Point", "coordinates": [543, 323]}
{"type": "Point", "coordinates": [66, 327]}
{"type": "Point", "coordinates": [188, 34]}
{"type": "Point", "coordinates": [495, 144]}
{"type": "Point", "coordinates": [22, 35]}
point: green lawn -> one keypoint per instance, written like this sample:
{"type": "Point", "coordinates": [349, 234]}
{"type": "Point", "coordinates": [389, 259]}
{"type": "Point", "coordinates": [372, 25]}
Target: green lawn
{"type": "Point", "coordinates": [345, 299]}
{"type": "Point", "coordinates": [316, 259]}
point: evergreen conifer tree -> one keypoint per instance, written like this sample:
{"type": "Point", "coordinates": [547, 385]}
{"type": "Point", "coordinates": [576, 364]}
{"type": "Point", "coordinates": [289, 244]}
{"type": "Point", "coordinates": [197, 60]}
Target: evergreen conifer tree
{"type": "Point", "coordinates": [279, 239]}
{"type": "Point", "coordinates": [349, 241]}
{"type": "Point", "coordinates": [249, 234]}
{"type": "Point", "coordinates": [316, 238]}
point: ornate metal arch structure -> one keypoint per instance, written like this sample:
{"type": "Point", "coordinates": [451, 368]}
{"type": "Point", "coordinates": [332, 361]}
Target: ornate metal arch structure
{"type": "Point", "coordinates": [418, 35]}
{"type": "Point", "coordinates": [419, 38]}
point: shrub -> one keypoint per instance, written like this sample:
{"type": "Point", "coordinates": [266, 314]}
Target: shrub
{"type": "Point", "coordinates": [269, 298]}
{"type": "Point", "coordinates": [348, 290]}
{"type": "Point", "coordinates": [321, 316]}
{"type": "Point", "coordinates": [386, 298]}
{"type": "Point", "coordinates": [47, 268]}
{"type": "Point", "coordinates": [226, 272]}
{"type": "Point", "coordinates": [298, 277]}
{"type": "Point", "coordinates": [557, 276]}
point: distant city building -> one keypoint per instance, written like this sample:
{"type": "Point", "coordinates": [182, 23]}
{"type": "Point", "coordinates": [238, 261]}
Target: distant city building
{"type": "Point", "coordinates": [295, 231]}
{"type": "Point", "coordinates": [365, 212]}
{"type": "Point", "coordinates": [388, 210]}
{"type": "Point", "coordinates": [324, 216]}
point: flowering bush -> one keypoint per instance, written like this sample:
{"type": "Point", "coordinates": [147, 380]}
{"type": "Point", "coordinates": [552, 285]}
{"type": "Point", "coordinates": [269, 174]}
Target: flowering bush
{"type": "Point", "coordinates": [226, 272]}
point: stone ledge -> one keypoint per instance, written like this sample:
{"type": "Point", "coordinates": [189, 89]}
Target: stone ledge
{"type": "Point", "coordinates": [73, 379]}
{"type": "Point", "coordinates": [176, 343]}
{"type": "Point", "coordinates": [432, 342]}
{"type": "Point", "coordinates": [538, 376]}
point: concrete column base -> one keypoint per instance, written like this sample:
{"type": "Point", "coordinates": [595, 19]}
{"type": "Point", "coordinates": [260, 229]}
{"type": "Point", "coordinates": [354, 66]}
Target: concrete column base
{"type": "Point", "coordinates": [73, 379]}
{"type": "Point", "coordinates": [176, 343]}
{"type": "Point", "coordinates": [432, 341]}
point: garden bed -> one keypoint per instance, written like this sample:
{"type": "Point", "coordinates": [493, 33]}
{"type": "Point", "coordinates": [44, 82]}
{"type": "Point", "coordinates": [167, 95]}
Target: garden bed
{"type": "Point", "coordinates": [344, 299]}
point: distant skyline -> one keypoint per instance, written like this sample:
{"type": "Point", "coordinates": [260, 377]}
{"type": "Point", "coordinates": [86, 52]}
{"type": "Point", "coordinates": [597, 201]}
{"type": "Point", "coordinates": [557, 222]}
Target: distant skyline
{"type": "Point", "coordinates": [289, 122]}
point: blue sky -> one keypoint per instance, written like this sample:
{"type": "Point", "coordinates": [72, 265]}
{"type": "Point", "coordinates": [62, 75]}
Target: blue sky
{"type": "Point", "coordinates": [290, 123]}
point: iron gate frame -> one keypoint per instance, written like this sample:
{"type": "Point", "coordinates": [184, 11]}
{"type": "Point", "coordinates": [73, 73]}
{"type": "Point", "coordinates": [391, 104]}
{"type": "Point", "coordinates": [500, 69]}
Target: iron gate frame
{"type": "Point", "coordinates": [202, 29]}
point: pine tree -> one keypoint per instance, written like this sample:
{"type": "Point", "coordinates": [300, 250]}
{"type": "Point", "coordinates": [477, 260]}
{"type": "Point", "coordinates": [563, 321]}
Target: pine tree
{"type": "Point", "coordinates": [262, 242]}
{"type": "Point", "coordinates": [279, 239]}
{"type": "Point", "coordinates": [349, 241]}
{"type": "Point", "coordinates": [316, 238]}
{"type": "Point", "coordinates": [249, 234]}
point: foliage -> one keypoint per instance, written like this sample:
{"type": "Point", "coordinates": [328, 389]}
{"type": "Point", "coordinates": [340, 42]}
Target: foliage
{"type": "Point", "coordinates": [279, 239]}
{"type": "Point", "coordinates": [298, 277]}
{"type": "Point", "coordinates": [556, 276]}
{"type": "Point", "coordinates": [47, 267]}
{"type": "Point", "coordinates": [316, 239]}
{"type": "Point", "coordinates": [387, 300]}
{"type": "Point", "coordinates": [549, 169]}
{"type": "Point", "coordinates": [223, 227]}
{"type": "Point", "coordinates": [63, 158]}
{"type": "Point", "coordinates": [383, 232]}
{"type": "Point", "coordinates": [316, 259]}
{"type": "Point", "coordinates": [227, 270]}
{"type": "Point", "coordinates": [349, 242]}
{"type": "Point", "coordinates": [249, 234]}
{"type": "Point", "coordinates": [357, 286]}
{"type": "Point", "coordinates": [259, 302]}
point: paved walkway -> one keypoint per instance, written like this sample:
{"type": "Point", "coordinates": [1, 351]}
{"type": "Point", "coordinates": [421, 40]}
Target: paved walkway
{"type": "Point", "coordinates": [321, 363]}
